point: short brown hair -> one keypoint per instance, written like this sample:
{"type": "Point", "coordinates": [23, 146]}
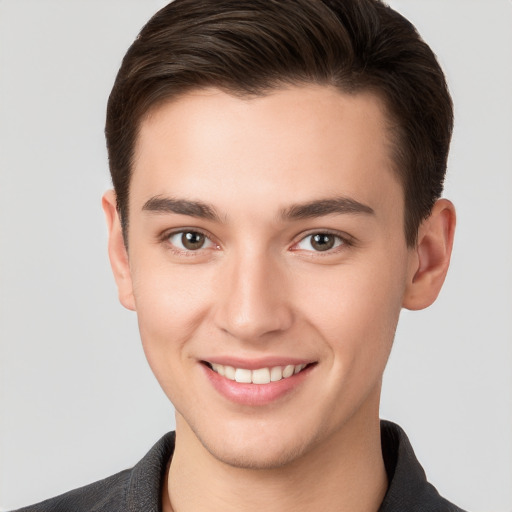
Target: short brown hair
{"type": "Point", "coordinates": [251, 47]}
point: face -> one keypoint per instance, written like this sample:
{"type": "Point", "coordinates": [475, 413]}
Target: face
{"type": "Point", "coordinates": [267, 265]}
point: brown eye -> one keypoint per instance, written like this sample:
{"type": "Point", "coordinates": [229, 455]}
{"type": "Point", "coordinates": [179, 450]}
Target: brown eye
{"type": "Point", "coordinates": [320, 242]}
{"type": "Point", "coordinates": [192, 240]}
{"type": "Point", "coordinates": [189, 240]}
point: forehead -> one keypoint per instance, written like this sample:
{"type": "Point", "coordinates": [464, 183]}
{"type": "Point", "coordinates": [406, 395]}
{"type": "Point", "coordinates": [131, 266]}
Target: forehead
{"type": "Point", "coordinates": [297, 142]}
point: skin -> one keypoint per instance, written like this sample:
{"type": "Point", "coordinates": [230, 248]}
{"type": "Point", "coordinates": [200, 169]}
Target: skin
{"type": "Point", "coordinates": [259, 288]}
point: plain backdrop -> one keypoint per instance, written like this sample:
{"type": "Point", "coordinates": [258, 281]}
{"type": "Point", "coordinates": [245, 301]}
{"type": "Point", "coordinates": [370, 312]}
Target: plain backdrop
{"type": "Point", "coordinates": [77, 399]}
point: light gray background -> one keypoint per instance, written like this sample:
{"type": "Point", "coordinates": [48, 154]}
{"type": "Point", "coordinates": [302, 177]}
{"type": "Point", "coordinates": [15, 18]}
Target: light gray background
{"type": "Point", "coordinates": [77, 400]}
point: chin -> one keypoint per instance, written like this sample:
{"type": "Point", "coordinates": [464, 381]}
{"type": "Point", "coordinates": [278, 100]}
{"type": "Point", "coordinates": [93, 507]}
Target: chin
{"type": "Point", "coordinates": [258, 448]}
{"type": "Point", "coordinates": [255, 457]}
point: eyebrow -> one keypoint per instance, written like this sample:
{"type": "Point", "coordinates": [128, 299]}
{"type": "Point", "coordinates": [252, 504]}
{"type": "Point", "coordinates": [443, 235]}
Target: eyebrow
{"type": "Point", "coordinates": [311, 209]}
{"type": "Point", "coordinates": [160, 204]}
{"type": "Point", "coordinates": [344, 205]}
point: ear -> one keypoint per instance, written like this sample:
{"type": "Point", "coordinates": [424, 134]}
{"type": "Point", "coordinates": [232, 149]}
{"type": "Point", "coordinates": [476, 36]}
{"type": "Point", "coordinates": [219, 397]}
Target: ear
{"type": "Point", "coordinates": [430, 259]}
{"type": "Point", "coordinates": [117, 251]}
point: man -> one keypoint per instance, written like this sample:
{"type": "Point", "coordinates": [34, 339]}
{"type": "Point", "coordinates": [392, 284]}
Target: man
{"type": "Point", "coordinates": [277, 169]}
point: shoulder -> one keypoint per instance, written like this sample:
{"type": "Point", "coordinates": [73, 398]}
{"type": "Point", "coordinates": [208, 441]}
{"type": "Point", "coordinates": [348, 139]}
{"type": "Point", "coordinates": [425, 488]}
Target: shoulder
{"type": "Point", "coordinates": [408, 487]}
{"type": "Point", "coordinates": [138, 488]}
{"type": "Point", "coordinates": [106, 494]}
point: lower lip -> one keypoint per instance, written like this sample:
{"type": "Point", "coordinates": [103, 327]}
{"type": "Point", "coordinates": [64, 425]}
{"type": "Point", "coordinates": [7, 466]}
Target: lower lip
{"type": "Point", "coordinates": [255, 394]}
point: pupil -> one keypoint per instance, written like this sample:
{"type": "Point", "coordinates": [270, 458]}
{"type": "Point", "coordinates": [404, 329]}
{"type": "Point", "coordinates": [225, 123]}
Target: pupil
{"type": "Point", "coordinates": [322, 242]}
{"type": "Point", "coordinates": [192, 240]}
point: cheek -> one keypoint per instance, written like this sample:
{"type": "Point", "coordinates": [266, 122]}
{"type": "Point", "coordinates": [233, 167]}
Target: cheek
{"type": "Point", "coordinates": [356, 309]}
{"type": "Point", "coordinates": [171, 302]}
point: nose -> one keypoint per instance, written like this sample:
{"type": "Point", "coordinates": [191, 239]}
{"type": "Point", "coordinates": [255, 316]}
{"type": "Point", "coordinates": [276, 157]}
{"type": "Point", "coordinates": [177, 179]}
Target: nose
{"type": "Point", "coordinates": [253, 302]}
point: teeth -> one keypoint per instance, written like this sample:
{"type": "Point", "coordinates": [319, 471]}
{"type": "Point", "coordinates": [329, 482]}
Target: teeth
{"type": "Point", "coordinates": [242, 375]}
{"type": "Point", "coordinates": [229, 372]}
{"type": "Point", "coordinates": [276, 373]}
{"type": "Point", "coordinates": [288, 371]}
{"type": "Point", "coordinates": [259, 376]}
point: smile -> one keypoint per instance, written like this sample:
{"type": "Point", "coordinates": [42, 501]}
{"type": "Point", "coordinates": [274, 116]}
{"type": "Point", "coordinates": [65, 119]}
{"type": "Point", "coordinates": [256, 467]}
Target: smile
{"type": "Point", "coordinates": [257, 382]}
{"type": "Point", "coordinates": [259, 375]}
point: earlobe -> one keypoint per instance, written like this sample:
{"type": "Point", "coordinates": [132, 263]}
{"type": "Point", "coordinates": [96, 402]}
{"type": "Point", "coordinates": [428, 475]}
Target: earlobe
{"type": "Point", "coordinates": [117, 251]}
{"type": "Point", "coordinates": [430, 259]}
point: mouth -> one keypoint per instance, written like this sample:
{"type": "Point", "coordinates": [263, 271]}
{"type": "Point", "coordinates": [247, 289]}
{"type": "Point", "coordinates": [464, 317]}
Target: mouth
{"type": "Point", "coordinates": [260, 376]}
{"type": "Point", "coordinates": [263, 383]}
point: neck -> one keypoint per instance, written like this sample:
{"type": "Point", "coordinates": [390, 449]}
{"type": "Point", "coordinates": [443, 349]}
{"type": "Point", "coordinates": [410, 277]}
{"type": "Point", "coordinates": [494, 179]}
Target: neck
{"type": "Point", "coordinates": [344, 473]}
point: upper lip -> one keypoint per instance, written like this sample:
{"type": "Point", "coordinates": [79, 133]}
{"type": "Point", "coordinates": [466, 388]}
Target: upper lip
{"type": "Point", "coordinates": [256, 363]}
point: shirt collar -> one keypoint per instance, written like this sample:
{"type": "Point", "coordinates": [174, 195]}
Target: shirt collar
{"type": "Point", "coordinates": [408, 488]}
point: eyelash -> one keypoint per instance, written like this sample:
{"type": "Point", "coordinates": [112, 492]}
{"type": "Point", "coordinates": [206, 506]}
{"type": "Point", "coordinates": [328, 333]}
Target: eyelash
{"type": "Point", "coordinates": [342, 241]}
{"type": "Point", "coordinates": [186, 252]}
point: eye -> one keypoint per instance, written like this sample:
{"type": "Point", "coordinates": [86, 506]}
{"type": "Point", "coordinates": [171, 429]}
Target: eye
{"type": "Point", "coordinates": [189, 240]}
{"type": "Point", "coordinates": [320, 242]}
